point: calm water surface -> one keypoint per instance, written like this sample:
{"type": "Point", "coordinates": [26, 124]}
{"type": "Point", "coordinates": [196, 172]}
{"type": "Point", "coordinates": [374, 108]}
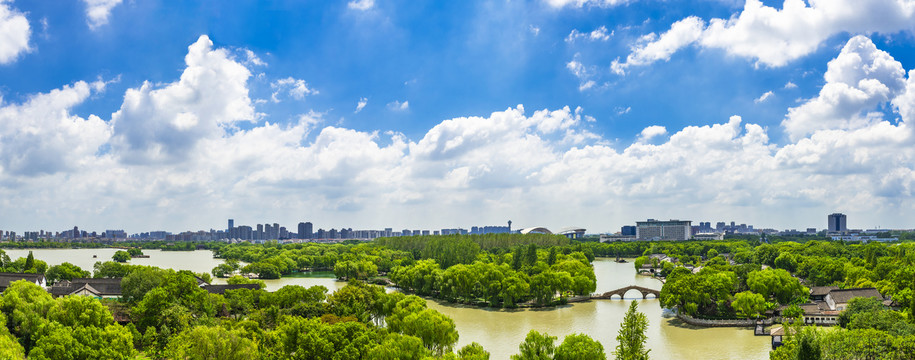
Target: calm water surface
{"type": "Point", "coordinates": [500, 331]}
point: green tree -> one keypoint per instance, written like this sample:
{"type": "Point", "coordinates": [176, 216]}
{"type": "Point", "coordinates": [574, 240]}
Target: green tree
{"type": "Point", "coordinates": [514, 288]}
{"type": "Point", "coordinates": [530, 256]}
{"type": "Point", "coordinates": [551, 258]}
{"type": "Point", "coordinates": [89, 342]}
{"type": "Point", "coordinates": [24, 306]}
{"type": "Point", "coordinates": [793, 312]}
{"type": "Point", "coordinates": [473, 351]}
{"type": "Point", "coordinates": [536, 346]}
{"type": "Point", "coordinates": [808, 346]}
{"type": "Point", "coordinates": [579, 347]}
{"type": "Point", "coordinates": [632, 336]}
{"type": "Point", "coordinates": [136, 284]}
{"type": "Point", "coordinates": [121, 256]}
{"type": "Point", "coordinates": [65, 271]}
{"type": "Point", "coordinates": [399, 347]}
{"type": "Point", "coordinates": [543, 288]}
{"type": "Point", "coordinates": [435, 330]}
{"type": "Point", "coordinates": [786, 261]}
{"type": "Point", "coordinates": [10, 348]}
{"type": "Point", "coordinates": [79, 311]}
{"type": "Point", "coordinates": [216, 342]}
{"type": "Point", "coordinates": [858, 306]}
{"type": "Point", "coordinates": [748, 304]}
{"type": "Point", "coordinates": [517, 257]}
{"type": "Point", "coordinates": [238, 279]}
{"type": "Point", "coordinates": [777, 284]}
{"type": "Point", "coordinates": [225, 269]}
{"type": "Point", "coordinates": [29, 262]}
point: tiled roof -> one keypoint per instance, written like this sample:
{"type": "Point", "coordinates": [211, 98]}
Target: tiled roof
{"type": "Point", "coordinates": [844, 296]}
{"type": "Point", "coordinates": [7, 278]}
{"type": "Point", "coordinates": [822, 290]}
{"type": "Point", "coordinates": [101, 287]}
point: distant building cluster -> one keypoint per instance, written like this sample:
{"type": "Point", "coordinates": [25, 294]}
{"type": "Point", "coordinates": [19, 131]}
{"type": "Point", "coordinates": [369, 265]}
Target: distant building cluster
{"type": "Point", "coordinates": [649, 230]}
{"type": "Point", "coordinates": [304, 231]}
{"type": "Point", "coordinates": [678, 230]}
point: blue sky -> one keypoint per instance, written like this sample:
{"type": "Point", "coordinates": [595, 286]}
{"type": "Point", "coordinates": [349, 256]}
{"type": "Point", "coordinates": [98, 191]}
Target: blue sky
{"type": "Point", "coordinates": [151, 115]}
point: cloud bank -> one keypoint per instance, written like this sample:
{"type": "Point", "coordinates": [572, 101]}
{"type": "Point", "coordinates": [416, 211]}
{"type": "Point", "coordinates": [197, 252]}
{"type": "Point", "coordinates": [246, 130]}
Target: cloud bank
{"type": "Point", "coordinates": [174, 155]}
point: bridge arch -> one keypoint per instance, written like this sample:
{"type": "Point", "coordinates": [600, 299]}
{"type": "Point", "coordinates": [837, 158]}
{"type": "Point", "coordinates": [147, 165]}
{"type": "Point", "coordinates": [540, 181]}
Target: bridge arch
{"type": "Point", "coordinates": [621, 293]}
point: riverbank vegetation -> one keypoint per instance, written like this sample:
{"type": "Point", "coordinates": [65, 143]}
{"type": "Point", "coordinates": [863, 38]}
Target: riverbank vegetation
{"type": "Point", "coordinates": [498, 270]}
{"type": "Point", "coordinates": [165, 314]}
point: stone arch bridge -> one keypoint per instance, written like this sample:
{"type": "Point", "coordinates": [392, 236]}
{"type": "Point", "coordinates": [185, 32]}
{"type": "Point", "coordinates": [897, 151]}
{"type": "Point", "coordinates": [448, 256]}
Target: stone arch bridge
{"type": "Point", "coordinates": [621, 292]}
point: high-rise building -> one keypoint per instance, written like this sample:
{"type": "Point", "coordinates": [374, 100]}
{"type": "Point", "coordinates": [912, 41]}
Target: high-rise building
{"type": "Point", "coordinates": [836, 223]}
{"type": "Point", "coordinates": [301, 233]}
{"type": "Point", "coordinates": [231, 225]}
{"type": "Point", "coordinates": [309, 230]}
{"type": "Point", "coordinates": [663, 230]}
{"type": "Point", "coordinates": [719, 226]}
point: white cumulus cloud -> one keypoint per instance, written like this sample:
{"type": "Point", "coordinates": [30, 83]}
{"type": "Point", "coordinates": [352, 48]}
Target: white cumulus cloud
{"type": "Point", "coordinates": [651, 47]}
{"type": "Point", "coordinates": [361, 104]}
{"type": "Point", "coordinates": [599, 34]}
{"type": "Point", "coordinates": [14, 33]}
{"type": "Point", "coordinates": [98, 11]}
{"type": "Point", "coordinates": [396, 105]}
{"type": "Point", "coordinates": [772, 36]}
{"type": "Point", "coordinates": [296, 88]}
{"type": "Point", "coordinates": [41, 136]}
{"type": "Point", "coordinates": [857, 80]}
{"type": "Point", "coordinates": [164, 123]}
{"type": "Point", "coordinates": [765, 96]}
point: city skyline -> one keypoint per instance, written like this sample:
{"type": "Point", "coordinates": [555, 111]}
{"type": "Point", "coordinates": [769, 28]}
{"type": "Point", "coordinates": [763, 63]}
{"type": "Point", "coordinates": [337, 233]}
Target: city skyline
{"type": "Point", "coordinates": [555, 113]}
{"type": "Point", "coordinates": [835, 223]}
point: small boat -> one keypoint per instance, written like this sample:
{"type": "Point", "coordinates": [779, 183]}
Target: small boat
{"type": "Point", "coordinates": [94, 256]}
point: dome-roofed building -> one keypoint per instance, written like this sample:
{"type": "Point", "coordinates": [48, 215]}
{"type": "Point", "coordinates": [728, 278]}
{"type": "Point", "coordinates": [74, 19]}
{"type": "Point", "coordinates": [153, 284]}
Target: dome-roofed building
{"type": "Point", "coordinates": [572, 232]}
{"type": "Point", "coordinates": [536, 230]}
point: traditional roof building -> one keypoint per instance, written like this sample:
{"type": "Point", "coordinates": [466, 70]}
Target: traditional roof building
{"type": "Point", "coordinates": [99, 288]}
{"type": "Point", "coordinates": [8, 278]}
{"type": "Point", "coordinates": [818, 293]}
{"type": "Point", "coordinates": [839, 299]}
{"type": "Point", "coordinates": [826, 302]}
